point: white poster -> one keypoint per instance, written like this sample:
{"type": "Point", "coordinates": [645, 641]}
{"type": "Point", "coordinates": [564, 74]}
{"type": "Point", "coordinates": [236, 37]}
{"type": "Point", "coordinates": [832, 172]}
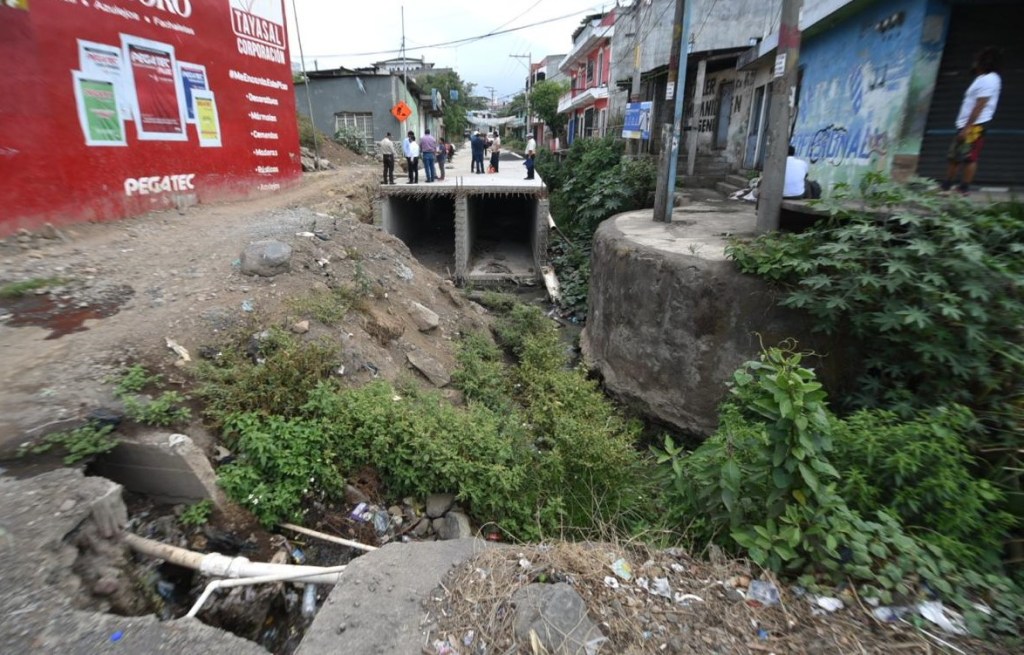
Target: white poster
{"type": "Point", "coordinates": [102, 60]}
{"type": "Point", "coordinates": [193, 78]}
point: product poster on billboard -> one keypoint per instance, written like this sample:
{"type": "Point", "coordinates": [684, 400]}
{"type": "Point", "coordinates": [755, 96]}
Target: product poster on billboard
{"type": "Point", "coordinates": [158, 104]}
{"type": "Point", "coordinates": [193, 78]}
{"type": "Point", "coordinates": [208, 124]}
{"type": "Point", "coordinates": [97, 110]}
{"type": "Point", "coordinates": [100, 59]}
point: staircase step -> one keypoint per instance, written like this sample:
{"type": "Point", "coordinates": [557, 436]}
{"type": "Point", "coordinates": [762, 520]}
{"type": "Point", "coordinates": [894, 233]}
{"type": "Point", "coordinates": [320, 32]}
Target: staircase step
{"type": "Point", "coordinates": [737, 180]}
{"type": "Point", "coordinates": [727, 189]}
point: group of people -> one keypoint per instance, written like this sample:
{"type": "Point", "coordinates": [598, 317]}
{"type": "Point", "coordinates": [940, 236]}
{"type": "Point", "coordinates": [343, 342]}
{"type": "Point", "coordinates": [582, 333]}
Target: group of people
{"type": "Point", "coordinates": [436, 151]}
{"type": "Point", "coordinates": [432, 150]}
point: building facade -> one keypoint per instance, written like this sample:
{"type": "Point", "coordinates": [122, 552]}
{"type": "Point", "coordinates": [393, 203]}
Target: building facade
{"type": "Point", "coordinates": [588, 68]}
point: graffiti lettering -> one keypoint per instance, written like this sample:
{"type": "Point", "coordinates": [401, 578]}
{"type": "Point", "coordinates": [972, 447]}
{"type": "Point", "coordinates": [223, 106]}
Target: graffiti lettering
{"type": "Point", "coordinates": [835, 144]}
{"type": "Point", "coordinates": [709, 86]}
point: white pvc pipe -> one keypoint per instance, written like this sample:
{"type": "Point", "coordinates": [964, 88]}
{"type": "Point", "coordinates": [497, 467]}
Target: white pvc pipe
{"type": "Point", "coordinates": [221, 566]}
{"type": "Point", "coordinates": [264, 579]}
{"type": "Point", "coordinates": [327, 537]}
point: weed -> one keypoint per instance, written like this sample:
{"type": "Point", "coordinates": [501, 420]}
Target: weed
{"type": "Point", "coordinates": [329, 306]}
{"type": "Point", "coordinates": [498, 302]}
{"type": "Point", "coordinates": [164, 410]}
{"type": "Point", "coordinates": [23, 288]}
{"type": "Point", "coordinates": [78, 444]}
{"type": "Point", "coordinates": [197, 514]}
{"type": "Point", "coordinates": [364, 285]}
{"type": "Point", "coordinates": [134, 379]}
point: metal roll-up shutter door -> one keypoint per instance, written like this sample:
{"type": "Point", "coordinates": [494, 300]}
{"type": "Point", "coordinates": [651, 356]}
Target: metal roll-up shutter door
{"type": "Point", "coordinates": [973, 27]}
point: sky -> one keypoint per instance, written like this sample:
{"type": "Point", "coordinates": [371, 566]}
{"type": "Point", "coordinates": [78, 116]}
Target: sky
{"type": "Point", "coordinates": [337, 32]}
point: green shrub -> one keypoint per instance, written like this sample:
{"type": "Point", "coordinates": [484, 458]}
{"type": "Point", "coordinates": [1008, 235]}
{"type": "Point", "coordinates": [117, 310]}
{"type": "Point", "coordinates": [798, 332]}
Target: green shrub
{"type": "Point", "coordinates": [329, 306]}
{"type": "Point", "coordinates": [164, 410]}
{"type": "Point", "coordinates": [197, 514]}
{"type": "Point", "coordinates": [134, 379]}
{"type": "Point", "coordinates": [352, 139]}
{"type": "Point", "coordinates": [920, 471]}
{"type": "Point", "coordinates": [271, 373]}
{"type": "Point", "coordinates": [23, 288]}
{"type": "Point", "coordinates": [78, 444]}
{"type": "Point", "coordinates": [764, 485]}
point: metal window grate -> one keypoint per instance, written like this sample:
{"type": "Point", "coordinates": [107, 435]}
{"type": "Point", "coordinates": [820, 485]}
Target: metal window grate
{"type": "Point", "coordinates": [362, 121]}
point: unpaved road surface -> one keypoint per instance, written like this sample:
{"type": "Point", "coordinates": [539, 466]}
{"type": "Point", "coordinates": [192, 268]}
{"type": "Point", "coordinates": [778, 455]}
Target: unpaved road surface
{"type": "Point", "coordinates": [175, 275]}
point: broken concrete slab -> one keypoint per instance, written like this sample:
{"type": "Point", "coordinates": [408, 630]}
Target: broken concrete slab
{"type": "Point", "coordinates": [169, 468]}
{"type": "Point", "coordinates": [45, 603]}
{"type": "Point", "coordinates": [558, 616]}
{"type": "Point", "coordinates": [377, 608]}
{"type": "Point", "coordinates": [425, 318]}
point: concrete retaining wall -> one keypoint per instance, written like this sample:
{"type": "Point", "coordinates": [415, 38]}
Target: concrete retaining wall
{"type": "Point", "coordinates": [670, 318]}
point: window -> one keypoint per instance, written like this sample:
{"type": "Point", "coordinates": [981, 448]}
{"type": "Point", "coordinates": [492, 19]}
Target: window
{"type": "Point", "coordinates": [361, 122]}
{"type": "Point", "coordinates": [600, 67]}
{"type": "Point", "coordinates": [590, 73]}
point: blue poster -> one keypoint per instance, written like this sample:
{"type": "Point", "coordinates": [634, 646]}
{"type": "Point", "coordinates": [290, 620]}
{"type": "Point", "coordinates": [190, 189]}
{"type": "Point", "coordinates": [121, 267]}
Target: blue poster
{"type": "Point", "coordinates": [193, 76]}
{"type": "Point", "coordinates": [638, 120]}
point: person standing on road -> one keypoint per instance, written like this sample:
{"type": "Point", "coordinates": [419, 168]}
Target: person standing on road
{"type": "Point", "coordinates": [495, 151]}
{"type": "Point", "coordinates": [476, 146]}
{"type": "Point", "coordinates": [976, 110]}
{"type": "Point", "coordinates": [387, 150]}
{"type": "Point", "coordinates": [412, 157]}
{"type": "Point", "coordinates": [428, 150]}
{"type": "Point", "coordinates": [531, 154]}
{"type": "Point", "coordinates": [442, 156]}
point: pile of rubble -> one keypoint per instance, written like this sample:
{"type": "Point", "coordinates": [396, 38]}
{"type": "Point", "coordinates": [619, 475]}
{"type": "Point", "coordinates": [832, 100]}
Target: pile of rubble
{"type": "Point", "coordinates": [310, 161]}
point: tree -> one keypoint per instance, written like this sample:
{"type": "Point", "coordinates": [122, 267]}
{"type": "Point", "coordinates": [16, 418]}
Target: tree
{"type": "Point", "coordinates": [454, 110]}
{"type": "Point", "coordinates": [544, 103]}
{"type": "Point", "coordinates": [515, 107]}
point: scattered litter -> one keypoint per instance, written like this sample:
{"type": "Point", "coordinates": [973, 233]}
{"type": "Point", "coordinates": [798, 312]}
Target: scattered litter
{"type": "Point", "coordinates": [468, 639]}
{"type": "Point", "coordinates": [660, 587]}
{"type": "Point", "coordinates": [593, 647]}
{"type": "Point", "coordinates": [298, 555]}
{"type": "Point", "coordinates": [611, 582]}
{"type": "Point", "coordinates": [738, 581]}
{"type": "Point", "coordinates": [117, 636]}
{"type": "Point", "coordinates": [177, 440]}
{"type": "Point", "coordinates": [444, 648]}
{"type": "Point", "coordinates": [677, 567]}
{"type": "Point", "coordinates": [946, 619]}
{"type": "Point", "coordinates": [622, 569]}
{"type": "Point", "coordinates": [889, 614]}
{"type": "Point", "coordinates": [642, 583]}
{"type": "Point", "coordinates": [762, 634]}
{"type": "Point", "coordinates": [304, 234]}
{"type": "Point", "coordinates": [829, 604]}
{"type": "Point", "coordinates": [247, 305]}
{"type": "Point", "coordinates": [320, 234]}
{"type": "Point", "coordinates": [763, 592]}
{"type": "Point", "coordinates": [381, 522]}
{"type": "Point", "coordinates": [309, 601]}
{"type": "Point", "coordinates": [178, 349]}
{"type": "Point", "coordinates": [341, 370]}
{"type": "Point", "coordinates": [323, 261]}
{"type": "Point", "coordinates": [525, 563]}
{"type": "Point", "coordinates": [686, 599]}
{"type": "Point", "coordinates": [359, 512]}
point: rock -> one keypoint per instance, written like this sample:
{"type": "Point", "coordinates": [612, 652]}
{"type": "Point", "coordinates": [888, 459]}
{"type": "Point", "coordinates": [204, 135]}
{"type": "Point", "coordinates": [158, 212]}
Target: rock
{"type": "Point", "coordinates": [424, 317]}
{"type": "Point", "coordinates": [106, 586]}
{"type": "Point", "coordinates": [455, 526]}
{"type": "Point", "coordinates": [430, 368]}
{"type": "Point", "coordinates": [557, 614]}
{"type": "Point", "coordinates": [266, 258]}
{"type": "Point", "coordinates": [439, 504]}
{"type": "Point", "coordinates": [383, 326]}
{"type": "Point", "coordinates": [421, 528]}
{"type": "Point", "coordinates": [48, 231]}
{"type": "Point", "coordinates": [437, 524]}
{"type": "Point", "coordinates": [301, 327]}
{"type": "Point", "coordinates": [404, 272]}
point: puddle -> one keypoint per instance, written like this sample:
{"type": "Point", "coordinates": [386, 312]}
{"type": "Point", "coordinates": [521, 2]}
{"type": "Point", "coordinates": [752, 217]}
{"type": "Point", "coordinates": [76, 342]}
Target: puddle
{"type": "Point", "coordinates": [61, 317]}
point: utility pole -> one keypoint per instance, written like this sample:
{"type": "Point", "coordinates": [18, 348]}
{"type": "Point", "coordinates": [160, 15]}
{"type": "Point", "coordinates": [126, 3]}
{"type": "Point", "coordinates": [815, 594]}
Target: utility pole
{"type": "Point", "coordinates": [665, 194]}
{"type": "Point", "coordinates": [634, 89]}
{"type": "Point", "coordinates": [405, 64]}
{"type": "Point", "coordinates": [783, 100]}
{"type": "Point", "coordinates": [305, 81]}
{"type": "Point", "coordinates": [529, 83]}
{"type": "Point", "coordinates": [491, 89]}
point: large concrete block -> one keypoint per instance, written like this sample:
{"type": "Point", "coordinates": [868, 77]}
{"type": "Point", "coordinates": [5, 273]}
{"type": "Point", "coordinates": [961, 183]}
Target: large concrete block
{"type": "Point", "coordinates": [670, 318]}
{"type": "Point", "coordinates": [167, 467]}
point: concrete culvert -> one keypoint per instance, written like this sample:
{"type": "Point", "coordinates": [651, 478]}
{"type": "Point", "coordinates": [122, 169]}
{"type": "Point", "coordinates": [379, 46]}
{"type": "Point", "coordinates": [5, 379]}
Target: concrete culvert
{"type": "Point", "coordinates": [427, 226]}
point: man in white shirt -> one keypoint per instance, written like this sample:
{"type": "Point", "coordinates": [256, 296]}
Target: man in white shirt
{"type": "Point", "coordinates": [387, 151]}
{"type": "Point", "coordinates": [796, 176]}
{"type": "Point", "coordinates": [531, 154]}
{"type": "Point", "coordinates": [976, 110]}
{"type": "Point", "coordinates": [495, 150]}
{"type": "Point", "coordinates": [411, 149]}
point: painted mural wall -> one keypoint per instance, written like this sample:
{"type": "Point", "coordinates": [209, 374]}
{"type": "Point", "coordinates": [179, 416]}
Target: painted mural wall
{"type": "Point", "coordinates": [866, 87]}
{"type": "Point", "coordinates": [117, 107]}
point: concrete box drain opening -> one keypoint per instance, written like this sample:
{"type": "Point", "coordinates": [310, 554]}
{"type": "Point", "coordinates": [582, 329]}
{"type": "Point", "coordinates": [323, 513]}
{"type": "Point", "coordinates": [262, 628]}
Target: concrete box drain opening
{"type": "Point", "coordinates": [502, 238]}
{"type": "Point", "coordinates": [426, 224]}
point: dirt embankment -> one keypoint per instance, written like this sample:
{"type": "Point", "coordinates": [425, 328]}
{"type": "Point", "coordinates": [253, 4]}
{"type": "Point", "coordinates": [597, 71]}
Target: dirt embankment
{"type": "Point", "coordinates": [113, 293]}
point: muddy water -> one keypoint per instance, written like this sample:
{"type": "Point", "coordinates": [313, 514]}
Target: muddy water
{"type": "Point", "coordinates": [59, 316]}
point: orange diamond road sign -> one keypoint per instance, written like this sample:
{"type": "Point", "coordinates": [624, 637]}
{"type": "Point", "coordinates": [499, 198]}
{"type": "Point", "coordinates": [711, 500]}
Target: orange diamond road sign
{"type": "Point", "coordinates": [401, 111]}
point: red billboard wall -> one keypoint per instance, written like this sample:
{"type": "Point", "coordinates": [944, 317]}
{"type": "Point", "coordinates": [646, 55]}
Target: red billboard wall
{"type": "Point", "coordinates": [115, 107]}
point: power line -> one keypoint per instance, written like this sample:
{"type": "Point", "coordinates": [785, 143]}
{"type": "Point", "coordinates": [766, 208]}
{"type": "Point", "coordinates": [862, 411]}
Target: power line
{"type": "Point", "coordinates": [462, 41]}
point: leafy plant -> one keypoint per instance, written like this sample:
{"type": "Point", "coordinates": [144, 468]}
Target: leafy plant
{"type": "Point", "coordinates": [197, 514]}
{"type": "Point", "coordinates": [78, 444]}
{"type": "Point", "coordinates": [329, 306]}
{"type": "Point", "coordinates": [764, 483]}
{"type": "Point", "coordinates": [164, 410]}
{"type": "Point", "coordinates": [351, 138]}
{"type": "Point", "coordinates": [134, 379]}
